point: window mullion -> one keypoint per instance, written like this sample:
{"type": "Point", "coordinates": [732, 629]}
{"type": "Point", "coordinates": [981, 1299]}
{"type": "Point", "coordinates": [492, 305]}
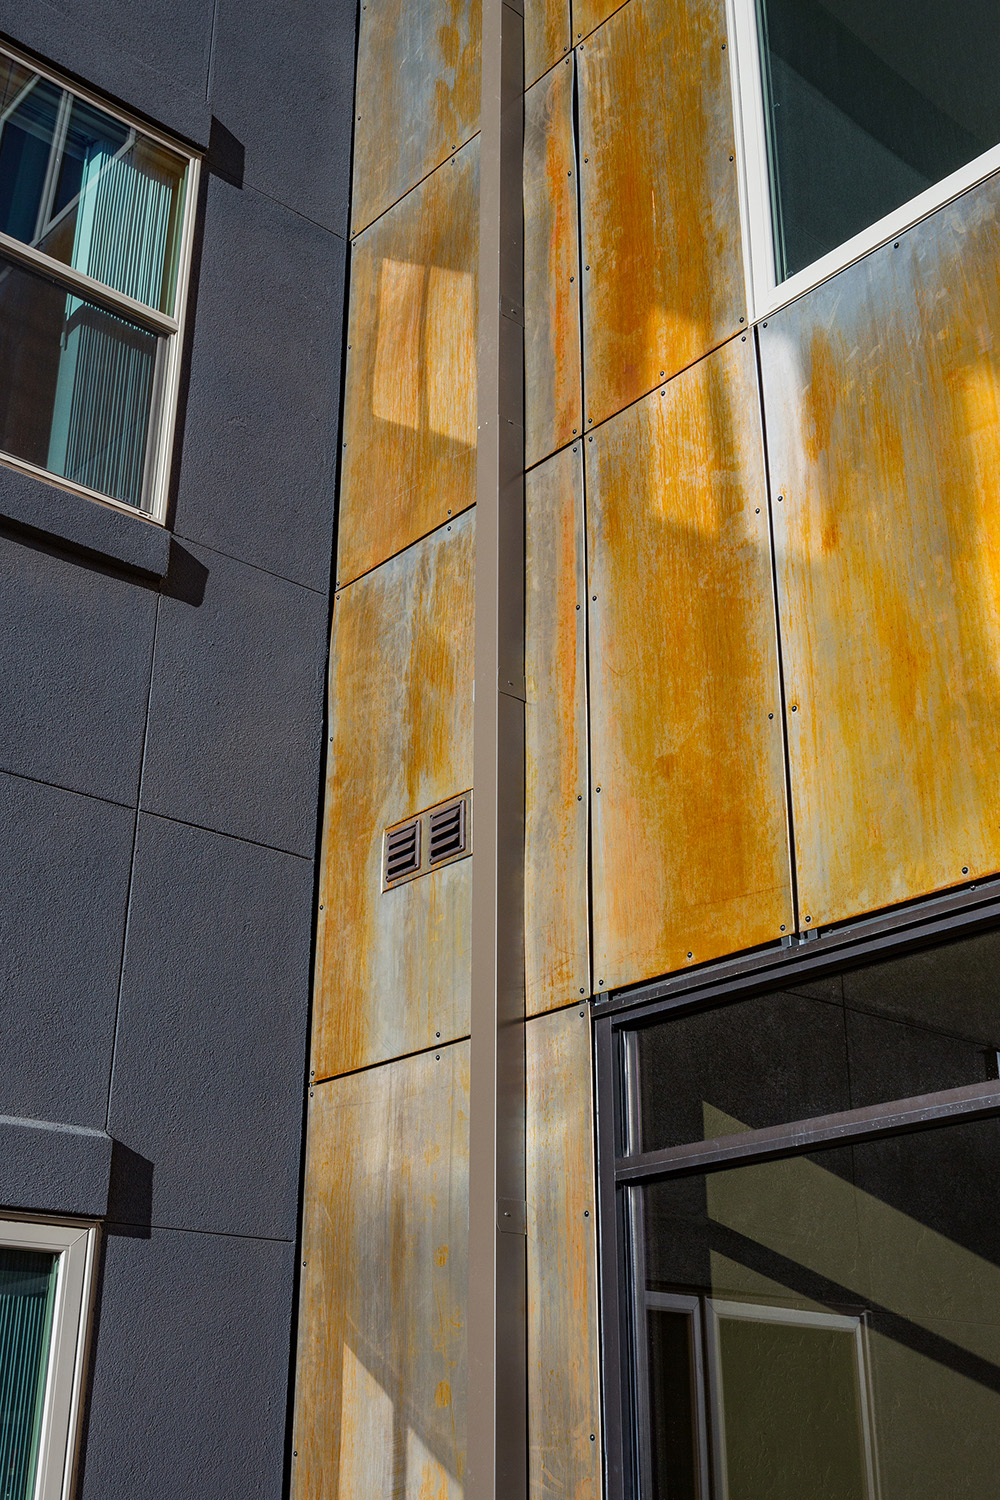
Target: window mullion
{"type": "Point", "coordinates": [118, 302]}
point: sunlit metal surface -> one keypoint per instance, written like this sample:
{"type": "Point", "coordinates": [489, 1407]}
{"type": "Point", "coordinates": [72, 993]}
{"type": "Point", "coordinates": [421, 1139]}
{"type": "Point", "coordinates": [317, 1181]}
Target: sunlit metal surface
{"type": "Point", "coordinates": [418, 83]}
{"type": "Point", "coordinates": [392, 968]}
{"type": "Point", "coordinates": [556, 895]}
{"type": "Point", "coordinates": [546, 36]}
{"type": "Point", "coordinates": [553, 410]}
{"type": "Point", "coordinates": [589, 14]}
{"type": "Point", "coordinates": [410, 392]}
{"type": "Point", "coordinates": [883, 412]}
{"type": "Point", "coordinates": [690, 844]}
{"type": "Point", "coordinates": [380, 1387]}
{"type": "Point", "coordinates": [563, 1348]}
{"type": "Point", "coordinates": [663, 278]}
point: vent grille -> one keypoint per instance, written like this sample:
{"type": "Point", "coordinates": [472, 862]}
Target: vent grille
{"type": "Point", "coordinates": [402, 852]}
{"type": "Point", "coordinates": [446, 832]}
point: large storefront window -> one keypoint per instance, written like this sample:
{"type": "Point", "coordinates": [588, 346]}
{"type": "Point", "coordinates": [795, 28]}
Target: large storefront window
{"type": "Point", "coordinates": [808, 1236]}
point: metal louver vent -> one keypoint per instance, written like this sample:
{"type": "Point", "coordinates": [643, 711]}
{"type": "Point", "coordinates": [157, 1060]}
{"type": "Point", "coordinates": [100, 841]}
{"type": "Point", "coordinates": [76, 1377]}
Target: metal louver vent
{"type": "Point", "coordinates": [402, 852]}
{"type": "Point", "coordinates": [446, 832]}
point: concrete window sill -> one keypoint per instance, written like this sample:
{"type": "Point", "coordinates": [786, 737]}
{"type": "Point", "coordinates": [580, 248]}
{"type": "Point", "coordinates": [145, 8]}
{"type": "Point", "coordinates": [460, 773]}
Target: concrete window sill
{"type": "Point", "coordinates": [81, 525]}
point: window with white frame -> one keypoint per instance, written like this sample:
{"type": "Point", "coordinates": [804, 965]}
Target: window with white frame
{"type": "Point", "coordinates": [46, 1272]}
{"type": "Point", "coordinates": [96, 220]}
{"type": "Point", "coordinates": [858, 117]}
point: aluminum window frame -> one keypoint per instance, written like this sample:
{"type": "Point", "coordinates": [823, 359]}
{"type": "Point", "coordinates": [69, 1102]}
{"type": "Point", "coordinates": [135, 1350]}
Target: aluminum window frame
{"type": "Point", "coordinates": [623, 1169]}
{"type": "Point", "coordinates": [765, 294]}
{"type": "Point", "coordinates": [170, 328]}
{"type": "Point", "coordinates": [76, 1246]}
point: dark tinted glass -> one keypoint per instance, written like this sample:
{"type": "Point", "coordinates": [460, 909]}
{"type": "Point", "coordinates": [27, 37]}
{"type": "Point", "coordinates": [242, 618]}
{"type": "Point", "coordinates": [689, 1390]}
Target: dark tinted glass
{"type": "Point", "coordinates": [76, 386]}
{"type": "Point", "coordinates": [675, 1459]}
{"type": "Point", "coordinates": [850, 1302]}
{"type": "Point", "coordinates": [27, 1287]}
{"type": "Point", "coordinates": [913, 1024]}
{"type": "Point", "coordinates": [868, 103]}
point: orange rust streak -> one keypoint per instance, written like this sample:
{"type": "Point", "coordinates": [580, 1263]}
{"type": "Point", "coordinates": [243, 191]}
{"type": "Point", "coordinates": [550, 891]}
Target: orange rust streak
{"type": "Point", "coordinates": [412, 332]}
{"type": "Point", "coordinates": [690, 844]}
{"type": "Point", "coordinates": [661, 225]}
{"type": "Point", "coordinates": [546, 35]}
{"type": "Point", "coordinates": [553, 394]}
{"type": "Point", "coordinates": [883, 411]}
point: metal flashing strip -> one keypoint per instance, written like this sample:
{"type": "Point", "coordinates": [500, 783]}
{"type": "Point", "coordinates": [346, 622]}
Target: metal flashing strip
{"type": "Point", "coordinates": [977, 1101]}
{"type": "Point", "coordinates": [497, 1435]}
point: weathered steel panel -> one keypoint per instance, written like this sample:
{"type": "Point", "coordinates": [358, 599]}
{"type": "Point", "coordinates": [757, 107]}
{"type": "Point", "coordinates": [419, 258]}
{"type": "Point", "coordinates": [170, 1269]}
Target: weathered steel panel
{"type": "Point", "coordinates": [553, 397]}
{"type": "Point", "coordinates": [410, 391]}
{"type": "Point", "coordinates": [663, 278]}
{"type": "Point", "coordinates": [418, 83]}
{"type": "Point", "coordinates": [547, 36]}
{"type": "Point", "coordinates": [392, 967]}
{"type": "Point", "coordinates": [882, 400]}
{"type": "Point", "coordinates": [557, 941]}
{"type": "Point", "coordinates": [380, 1382]}
{"type": "Point", "coordinates": [688, 805]}
{"type": "Point", "coordinates": [563, 1345]}
{"type": "Point", "coordinates": [589, 14]}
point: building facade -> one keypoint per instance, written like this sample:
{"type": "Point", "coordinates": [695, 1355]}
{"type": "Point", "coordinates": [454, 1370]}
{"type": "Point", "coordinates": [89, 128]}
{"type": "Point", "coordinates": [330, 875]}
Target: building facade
{"type": "Point", "coordinates": [501, 900]}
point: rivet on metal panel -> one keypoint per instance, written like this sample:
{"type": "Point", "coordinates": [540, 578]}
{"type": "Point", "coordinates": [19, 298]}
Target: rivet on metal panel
{"type": "Point", "coordinates": [795, 708]}
{"type": "Point", "coordinates": [764, 325]}
{"type": "Point", "coordinates": [437, 1033]}
{"type": "Point", "coordinates": [662, 374]}
{"type": "Point", "coordinates": [690, 955]}
{"type": "Point", "coordinates": [731, 159]}
{"type": "Point", "coordinates": [723, 46]}
{"type": "Point", "coordinates": [437, 1057]}
{"type": "Point", "coordinates": [757, 510]}
{"type": "Point", "coordinates": [593, 1437]}
{"type": "Point", "coordinates": [593, 596]}
{"type": "Point", "coordinates": [600, 981]}
{"type": "Point", "coordinates": [896, 245]}
{"type": "Point", "coordinates": [965, 869]}
{"type": "Point", "coordinates": [780, 498]}
{"type": "Point", "coordinates": [808, 919]}
{"type": "Point", "coordinates": [770, 716]}
{"type": "Point", "coordinates": [586, 1213]}
{"type": "Point", "coordinates": [743, 339]}
{"type": "Point", "coordinates": [598, 789]}
{"type": "Point", "coordinates": [782, 926]}
{"type": "Point", "coordinates": [574, 450]}
{"type": "Point", "coordinates": [743, 320]}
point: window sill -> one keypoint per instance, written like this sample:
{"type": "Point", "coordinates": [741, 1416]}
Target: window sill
{"type": "Point", "coordinates": [85, 526]}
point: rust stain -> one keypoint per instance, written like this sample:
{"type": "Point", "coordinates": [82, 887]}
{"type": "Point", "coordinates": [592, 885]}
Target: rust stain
{"type": "Point", "coordinates": [557, 965]}
{"type": "Point", "coordinates": [661, 224]}
{"type": "Point", "coordinates": [382, 1333]}
{"type": "Point", "coordinates": [563, 1343]}
{"type": "Point", "coordinates": [392, 969]}
{"type": "Point", "coordinates": [418, 83]}
{"type": "Point", "coordinates": [553, 389]}
{"type": "Point", "coordinates": [882, 394]}
{"type": "Point", "coordinates": [689, 827]}
{"type": "Point", "coordinates": [546, 36]}
{"type": "Point", "coordinates": [410, 389]}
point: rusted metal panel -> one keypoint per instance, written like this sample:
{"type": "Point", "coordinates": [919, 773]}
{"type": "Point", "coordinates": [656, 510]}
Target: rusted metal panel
{"type": "Point", "coordinates": [663, 278]}
{"type": "Point", "coordinates": [688, 806]}
{"type": "Point", "coordinates": [553, 409]}
{"type": "Point", "coordinates": [410, 391]}
{"type": "Point", "coordinates": [418, 84]}
{"type": "Point", "coordinates": [563, 1347]}
{"type": "Point", "coordinates": [547, 36]}
{"type": "Point", "coordinates": [381, 1372]}
{"type": "Point", "coordinates": [557, 941]}
{"type": "Point", "coordinates": [882, 400]}
{"type": "Point", "coordinates": [392, 967]}
{"type": "Point", "coordinates": [589, 14]}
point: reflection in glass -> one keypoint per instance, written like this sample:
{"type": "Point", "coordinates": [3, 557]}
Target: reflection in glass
{"type": "Point", "coordinates": [77, 392]}
{"type": "Point", "coordinates": [850, 1302]}
{"type": "Point", "coordinates": [867, 104]}
{"type": "Point", "coordinates": [914, 1023]}
{"type": "Point", "coordinates": [27, 1290]}
{"type": "Point", "coordinates": [88, 190]}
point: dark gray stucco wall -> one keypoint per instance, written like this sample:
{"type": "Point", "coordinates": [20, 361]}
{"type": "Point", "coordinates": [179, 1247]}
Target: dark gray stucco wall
{"type": "Point", "coordinates": [160, 756]}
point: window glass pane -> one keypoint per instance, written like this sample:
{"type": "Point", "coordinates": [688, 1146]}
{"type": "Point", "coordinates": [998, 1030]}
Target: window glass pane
{"type": "Point", "coordinates": [869, 102]}
{"type": "Point", "coordinates": [913, 1024]}
{"type": "Point", "coordinates": [76, 386]}
{"type": "Point", "coordinates": [87, 190]}
{"type": "Point", "coordinates": [27, 1289]}
{"type": "Point", "coordinates": [674, 1451]}
{"type": "Point", "coordinates": [851, 1312]}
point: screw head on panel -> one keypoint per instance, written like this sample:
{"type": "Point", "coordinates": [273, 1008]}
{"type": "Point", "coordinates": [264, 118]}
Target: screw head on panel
{"type": "Point", "coordinates": [965, 869]}
{"type": "Point", "coordinates": [782, 926]}
{"type": "Point", "coordinates": [808, 919]}
{"type": "Point", "coordinates": [690, 955]}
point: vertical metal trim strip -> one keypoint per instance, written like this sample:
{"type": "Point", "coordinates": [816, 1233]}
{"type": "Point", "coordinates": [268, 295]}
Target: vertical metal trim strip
{"type": "Point", "coordinates": [497, 1301]}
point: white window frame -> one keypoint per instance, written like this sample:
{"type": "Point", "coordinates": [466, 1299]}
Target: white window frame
{"type": "Point", "coordinates": [170, 326]}
{"type": "Point", "coordinates": [76, 1247]}
{"type": "Point", "coordinates": [765, 294]}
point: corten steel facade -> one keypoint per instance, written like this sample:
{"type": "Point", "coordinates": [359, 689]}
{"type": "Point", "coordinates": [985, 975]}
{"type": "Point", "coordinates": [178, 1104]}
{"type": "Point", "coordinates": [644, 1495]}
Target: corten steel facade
{"type": "Point", "coordinates": [660, 697]}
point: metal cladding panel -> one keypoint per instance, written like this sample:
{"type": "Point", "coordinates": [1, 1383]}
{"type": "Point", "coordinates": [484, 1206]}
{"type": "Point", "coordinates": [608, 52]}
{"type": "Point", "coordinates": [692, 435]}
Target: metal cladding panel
{"type": "Point", "coordinates": [410, 393]}
{"type": "Point", "coordinates": [688, 805]}
{"type": "Point", "coordinates": [663, 278]}
{"type": "Point", "coordinates": [882, 399]}
{"type": "Point", "coordinates": [557, 939]}
{"type": "Point", "coordinates": [553, 398]}
{"type": "Point", "coordinates": [380, 1385]}
{"type": "Point", "coordinates": [392, 968]}
{"type": "Point", "coordinates": [418, 83]}
{"type": "Point", "coordinates": [563, 1344]}
{"type": "Point", "coordinates": [589, 14]}
{"type": "Point", "coordinates": [547, 36]}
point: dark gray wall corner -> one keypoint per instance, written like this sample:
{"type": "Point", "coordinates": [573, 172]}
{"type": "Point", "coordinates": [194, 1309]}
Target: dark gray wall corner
{"type": "Point", "coordinates": [160, 754]}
